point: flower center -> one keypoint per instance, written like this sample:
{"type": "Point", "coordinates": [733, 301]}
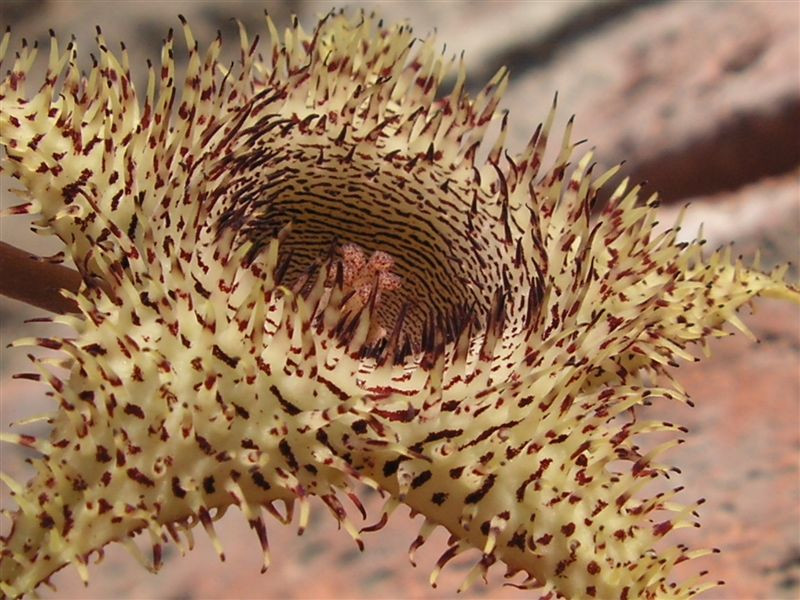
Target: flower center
{"type": "Point", "coordinates": [364, 276]}
{"type": "Point", "coordinates": [392, 214]}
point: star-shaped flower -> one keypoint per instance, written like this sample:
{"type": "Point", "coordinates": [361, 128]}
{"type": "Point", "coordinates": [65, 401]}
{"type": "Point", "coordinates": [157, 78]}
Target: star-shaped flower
{"type": "Point", "coordinates": [235, 347]}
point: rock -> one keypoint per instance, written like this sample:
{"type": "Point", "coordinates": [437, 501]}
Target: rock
{"type": "Point", "coordinates": [697, 96]}
{"type": "Point", "coordinates": [762, 216]}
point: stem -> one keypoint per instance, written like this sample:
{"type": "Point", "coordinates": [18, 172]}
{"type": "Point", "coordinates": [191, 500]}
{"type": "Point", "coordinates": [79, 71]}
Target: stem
{"type": "Point", "coordinates": [30, 279]}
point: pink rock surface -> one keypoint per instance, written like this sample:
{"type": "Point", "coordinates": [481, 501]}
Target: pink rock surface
{"type": "Point", "coordinates": [697, 96]}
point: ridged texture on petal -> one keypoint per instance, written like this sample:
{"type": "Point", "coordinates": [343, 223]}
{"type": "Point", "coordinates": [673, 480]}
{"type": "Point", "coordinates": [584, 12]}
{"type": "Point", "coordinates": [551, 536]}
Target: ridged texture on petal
{"type": "Point", "coordinates": [310, 284]}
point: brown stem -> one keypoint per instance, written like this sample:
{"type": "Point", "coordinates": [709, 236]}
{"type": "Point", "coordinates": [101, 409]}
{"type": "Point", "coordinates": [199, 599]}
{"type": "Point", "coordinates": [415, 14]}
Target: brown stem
{"type": "Point", "coordinates": [28, 278]}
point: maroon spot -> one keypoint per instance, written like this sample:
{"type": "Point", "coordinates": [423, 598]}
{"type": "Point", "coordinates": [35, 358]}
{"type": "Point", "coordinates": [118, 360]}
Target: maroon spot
{"type": "Point", "coordinates": [568, 529]}
{"type": "Point", "coordinates": [593, 568]}
{"type": "Point", "coordinates": [390, 466]}
{"type": "Point", "coordinates": [456, 472]}
{"type": "Point", "coordinates": [341, 394]}
{"type": "Point", "coordinates": [259, 480]}
{"type": "Point", "coordinates": [208, 485]}
{"type": "Point", "coordinates": [420, 479]}
{"type": "Point", "coordinates": [177, 489]}
{"type": "Point", "coordinates": [599, 507]}
{"type": "Point", "coordinates": [140, 477]}
{"type": "Point", "coordinates": [46, 521]}
{"type": "Point", "coordinates": [518, 540]}
{"type": "Point", "coordinates": [133, 410]}
{"type": "Point", "coordinates": [286, 450]}
{"type": "Point", "coordinates": [662, 528]}
{"type": "Point", "coordinates": [68, 521]}
{"type": "Point", "coordinates": [231, 361]}
{"type": "Point", "coordinates": [561, 566]}
{"type": "Point", "coordinates": [290, 408]}
{"type": "Point", "coordinates": [443, 434]}
{"type": "Point", "coordinates": [584, 446]}
{"type": "Point", "coordinates": [439, 498]}
{"type": "Point", "coordinates": [204, 445]}
{"type": "Point", "coordinates": [477, 495]}
{"type": "Point", "coordinates": [525, 401]}
{"type": "Point", "coordinates": [241, 411]}
{"type": "Point", "coordinates": [95, 349]}
{"type": "Point", "coordinates": [102, 454]}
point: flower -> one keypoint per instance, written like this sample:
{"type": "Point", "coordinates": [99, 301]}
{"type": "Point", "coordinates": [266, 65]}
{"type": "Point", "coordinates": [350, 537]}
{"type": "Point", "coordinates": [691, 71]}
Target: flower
{"type": "Point", "coordinates": [297, 277]}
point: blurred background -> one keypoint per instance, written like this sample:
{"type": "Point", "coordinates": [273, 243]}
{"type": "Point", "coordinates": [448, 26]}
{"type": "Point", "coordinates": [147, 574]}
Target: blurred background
{"type": "Point", "coordinates": [703, 101]}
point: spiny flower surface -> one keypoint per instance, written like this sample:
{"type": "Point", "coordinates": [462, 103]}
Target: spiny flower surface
{"type": "Point", "coordinates": [309, 283]}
